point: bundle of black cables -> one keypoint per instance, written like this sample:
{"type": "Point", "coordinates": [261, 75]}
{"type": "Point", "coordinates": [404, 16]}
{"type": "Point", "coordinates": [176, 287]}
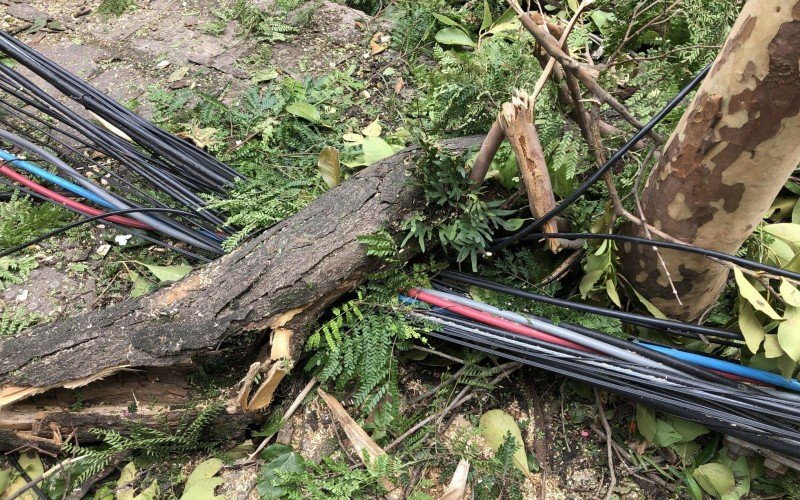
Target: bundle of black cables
{"type": "Point", "coordinates": [63, 141]}
{"type": "Point", "coordinates": [754, 405]}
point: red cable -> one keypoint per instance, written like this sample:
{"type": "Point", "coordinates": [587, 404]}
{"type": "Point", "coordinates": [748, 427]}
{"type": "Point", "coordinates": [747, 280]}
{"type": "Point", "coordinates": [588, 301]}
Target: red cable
{"type": "Point", "coordinates": [488, 319]}
{"type": "Point", "coordinates": [80, 207]}
{"type": "Point", "coordinates": [504, 324]}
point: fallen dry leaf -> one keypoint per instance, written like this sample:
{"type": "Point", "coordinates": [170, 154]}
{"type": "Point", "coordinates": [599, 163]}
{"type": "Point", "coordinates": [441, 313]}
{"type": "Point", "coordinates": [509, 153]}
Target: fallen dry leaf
{"type": "Point", "coordinates": [379, 43]}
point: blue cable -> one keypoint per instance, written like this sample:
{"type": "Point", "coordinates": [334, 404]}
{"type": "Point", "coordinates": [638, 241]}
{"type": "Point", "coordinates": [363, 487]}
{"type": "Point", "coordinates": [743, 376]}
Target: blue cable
{"type": "Point", "coordinates": [51, 177]}
{"type": "Point", "coordinates": [696, 359]}
{"type": "Point", "coordinates": [727, 367]}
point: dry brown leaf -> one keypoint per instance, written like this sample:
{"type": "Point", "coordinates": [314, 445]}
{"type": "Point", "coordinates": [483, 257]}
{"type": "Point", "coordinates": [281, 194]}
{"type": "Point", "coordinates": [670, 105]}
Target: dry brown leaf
{"type": "Point", "coordinates": [458, 485]}
{"type": "Point", "coordinates": [399, 85]}
{"type": "Point", "coordinates": [367, 449]}
{"type": "Point", "coordinates": [379, 43]}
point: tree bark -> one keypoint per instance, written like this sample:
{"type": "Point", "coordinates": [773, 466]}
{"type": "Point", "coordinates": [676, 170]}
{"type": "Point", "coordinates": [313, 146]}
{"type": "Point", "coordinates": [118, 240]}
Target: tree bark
{"type": "Point", "coordinates": [274, 286]}
{"type": "Point", "coordinates": [727, 159]}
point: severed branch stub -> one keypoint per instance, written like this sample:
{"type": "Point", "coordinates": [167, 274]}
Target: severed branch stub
{"type": "Point", "coordinates": [516, 120]}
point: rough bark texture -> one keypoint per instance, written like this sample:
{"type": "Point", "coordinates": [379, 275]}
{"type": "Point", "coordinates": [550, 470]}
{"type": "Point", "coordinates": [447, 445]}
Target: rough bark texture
{"type": "Point", "coordinates": [727, 159]}
{"type": "Point", "coordinates": [276, 284]}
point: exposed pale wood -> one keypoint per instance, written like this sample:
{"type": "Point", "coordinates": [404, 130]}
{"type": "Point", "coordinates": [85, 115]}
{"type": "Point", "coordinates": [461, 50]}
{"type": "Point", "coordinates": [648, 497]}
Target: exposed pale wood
{"type": "Point", "coordinates": [458, 484]}
{"type": "Point", "coordinates": [516, 120]}
{"type": "Point", "coordinates": [162, 397]}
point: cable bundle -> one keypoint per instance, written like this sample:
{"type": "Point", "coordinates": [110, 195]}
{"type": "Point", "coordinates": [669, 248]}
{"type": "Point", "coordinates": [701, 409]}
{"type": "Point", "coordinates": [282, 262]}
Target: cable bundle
{"type": "Point", "coordinates": [724, 396]}
{"type": "Point", "coordinates": [153, 181]}
{"type": "Point", "coordinates": [754, 405]}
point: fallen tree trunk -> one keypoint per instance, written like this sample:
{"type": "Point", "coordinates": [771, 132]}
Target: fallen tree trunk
{"type": "Point", "coordinates": [274, 286]}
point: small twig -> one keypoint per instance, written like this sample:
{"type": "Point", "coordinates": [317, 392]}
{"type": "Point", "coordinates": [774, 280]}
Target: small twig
{"type": "Point", "coordinates": [455, 404]}
{"type": "Point", "coordinates": [563, 423]}
{"type": "Point", "coordinates": [439, 386]}
{"type": "Point", "coordinates": [49, 472]}
{"type": "Point", "coordinates": [440, 354]}
{"type": "Point", "coordinates": [552, 47]}
{"type": "Point", "coordinates": [609, 439]}
{"type": "Point", "coordinates": [562, 41]}
{"type": "Point", "coordinates": [494, 138]}
{"type": "Point", "coordinates": [289, 412]}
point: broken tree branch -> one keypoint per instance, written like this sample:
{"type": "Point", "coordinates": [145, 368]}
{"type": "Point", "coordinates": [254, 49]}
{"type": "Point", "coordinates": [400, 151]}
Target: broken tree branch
{"type": "Point", "coordinates": [274, 286]}
{"type": "Point", "coordinates": [552, 47]}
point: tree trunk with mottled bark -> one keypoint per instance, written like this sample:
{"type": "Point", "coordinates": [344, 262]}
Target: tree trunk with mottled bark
{"type": "Point", "coordinates": [733, 150]}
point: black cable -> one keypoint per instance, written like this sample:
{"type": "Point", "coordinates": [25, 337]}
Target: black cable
{"type": "Point", "coordinates": [62, 229]}
{"type": "Point", "coordinates": [572, 198]}
{"type": "Point", "coordinates": [636, 319]}
{"type": "Point", "coordinates": [36, 489]}
{"type": "Point", "coordinates": [138, 233]}
{"type": "Point", "coordinates": [712, 254]}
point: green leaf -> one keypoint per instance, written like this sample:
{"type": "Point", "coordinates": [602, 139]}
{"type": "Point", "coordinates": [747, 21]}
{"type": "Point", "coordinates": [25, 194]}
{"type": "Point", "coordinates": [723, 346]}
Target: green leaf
{"type": "Point", "coordinates": [589, 280]}
{"type": "Point", "coordinates": [304, 110]}
{"type": "Point", "coordinates": [125, 490]}
{"type": "Point", "coordinates": [329, 166]}
{"type": "Point", "coordinates": [789, 233]}
{"type": "Point", "coordinates": [204, 470]}
{"type": "Point", "coordinates": [789, 332]}
{"type": "Point", "coordinates": [573, 5]}
{"type": "Point", "coordinates": [602, 20]}
{"type": "Point", "coordinates": [168, 273]}
{"type": "Point", "coordinates": [796, 213]}
{"type": "Point", "coordinates": [752, 330]}
{"type": "Point", "coordinates": [789, 293]}
{"type": "Point", "coordinates": [687, 429]}
{"type": "Point", "coordinates": [203, 489]}
{"type": "Point", "coordinates": [454, 36]}
{"type": "Point", "coordinates": [646, 422]}
{"type": "Point", "coordinates": [445, 20]}
{"type": "Point", "coordinates": [512, 224]}
{"type": "Point", "coordinates": [772, 348]}
{"type": "Point", "coordinates": [281, 460]}
{"type": "Point", "coordinates": [666, 435]}
{"type": "Point", "coordinates": [487, 16]}
{"type": "Point", "coordinates": [151, 493]}
{"type": "Point", "coordinates": [507, 22]}
{"type": "Point", "coordinates": [686, 451]}
{"type": "Point", "coordinates": [32, 465]}
{"type": "Point", "coordinates": [140, 286]}
{"type": "Point", "coordinates": [749, 292]}
{"type": "Point", "coordinates": [374, 129]}
{"type": "Point", "coordinates": [649, 306]}
{"type": "Point", "coordinates": [715, 478]}
{"type": "Point", "coordinates": [376, 149]}
{"type": "Point", "coordinates": [495, 425]}
{"type": "Point", "coordinates": [5, 478]}
{"type": "Point", "coordinates": [611, 289]}
{"type": "Point", "coordinates": [264, 75]}
{"type": "Point", "coordinates": [693, 488]}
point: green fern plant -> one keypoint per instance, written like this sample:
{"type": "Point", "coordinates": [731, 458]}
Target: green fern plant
{"type": "Point", "coordinates": [463, 221]}
{"type": "Point", "coordinates": [22, 220]}
{"type": "Point", "coordinates": [14, 271]}
{"type": "Point", "coordinates": [14, 320]}
{"type": "Point", "coordinates": [359, 349]}
{"type": "Point", "coordinates": [153, 443]}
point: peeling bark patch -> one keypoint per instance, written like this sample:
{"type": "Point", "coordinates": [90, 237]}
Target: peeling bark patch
{"type": "Point", "coordinates": [684, 163]}
{"type": "Point", "coordinates": [763, 107]}
{"type": "Point", "coordinates": [734, 42]}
